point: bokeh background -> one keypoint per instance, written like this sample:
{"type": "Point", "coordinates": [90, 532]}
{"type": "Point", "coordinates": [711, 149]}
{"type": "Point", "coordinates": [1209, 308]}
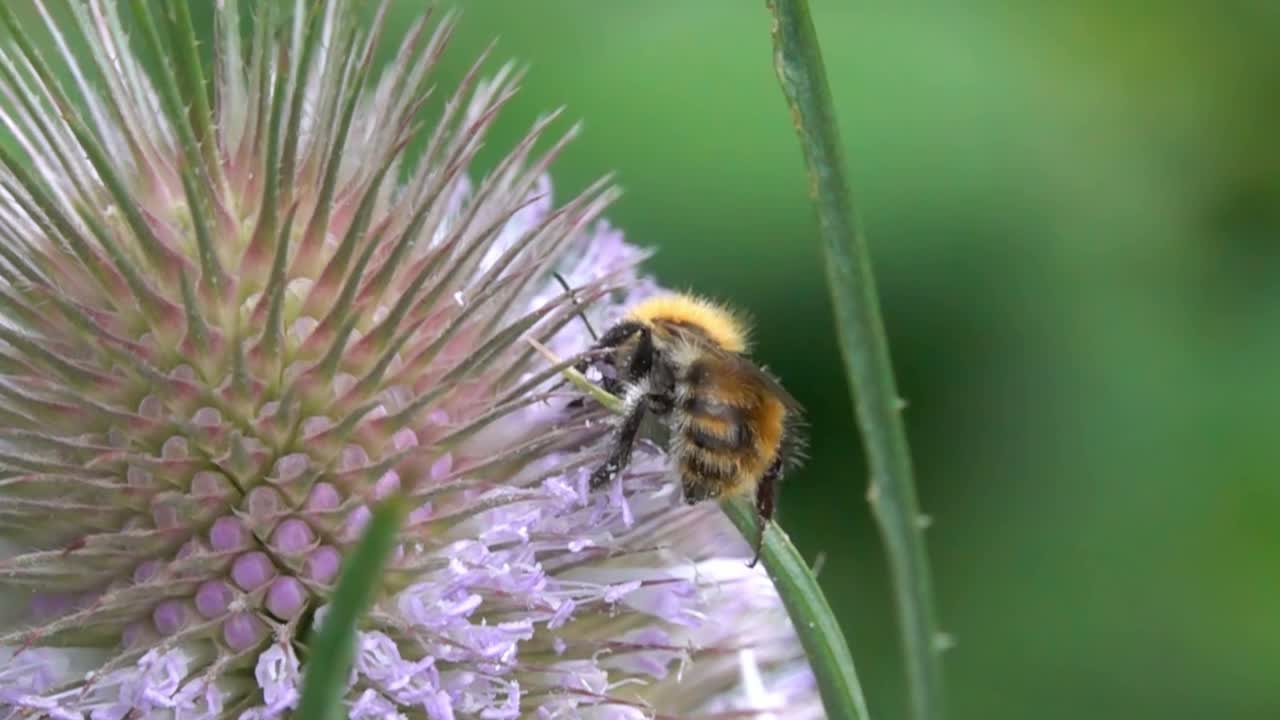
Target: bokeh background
{"type": "Point", "coordinates": [1074, 209]}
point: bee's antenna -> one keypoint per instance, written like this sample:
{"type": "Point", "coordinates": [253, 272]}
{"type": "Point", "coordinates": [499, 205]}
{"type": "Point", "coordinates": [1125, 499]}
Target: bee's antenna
{"type": "Point", "coordinates": [572, 296]}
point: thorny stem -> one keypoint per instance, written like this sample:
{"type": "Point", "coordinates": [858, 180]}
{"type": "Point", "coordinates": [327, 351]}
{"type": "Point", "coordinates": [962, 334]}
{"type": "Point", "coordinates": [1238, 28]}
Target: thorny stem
{"type": "Point", "coordinates": [860, 329]}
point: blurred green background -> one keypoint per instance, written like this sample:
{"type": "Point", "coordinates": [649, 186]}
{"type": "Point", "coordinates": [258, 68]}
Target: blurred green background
{"type": "Point", "coordinates": [1074, 210]}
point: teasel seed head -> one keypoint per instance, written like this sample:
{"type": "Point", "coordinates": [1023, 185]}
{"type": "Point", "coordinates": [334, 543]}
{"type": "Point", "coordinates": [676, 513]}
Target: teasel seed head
{"type": "Point", "coordinates": [233, 320]}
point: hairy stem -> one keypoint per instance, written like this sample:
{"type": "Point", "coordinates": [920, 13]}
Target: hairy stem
{"type": "Point", "coordinates": [860, 329]}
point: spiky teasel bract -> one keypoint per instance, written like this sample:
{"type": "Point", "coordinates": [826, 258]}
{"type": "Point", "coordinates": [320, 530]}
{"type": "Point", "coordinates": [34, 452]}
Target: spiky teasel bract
{"type": "Point", "coordinates": [228, 327]}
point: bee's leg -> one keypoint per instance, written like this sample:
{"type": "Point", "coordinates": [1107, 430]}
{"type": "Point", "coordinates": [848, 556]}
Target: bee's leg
{"type": "Point", "coordinates": [641, 362]}
{"type": "Point", "coordinates": [620, 456]}
{"type": "Point", "coordinates": [766, 501]}
{"type": "Point", "coordinates": [638, 368]}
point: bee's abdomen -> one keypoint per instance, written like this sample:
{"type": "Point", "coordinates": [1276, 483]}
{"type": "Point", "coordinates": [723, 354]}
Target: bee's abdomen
{"type": "Point", "coordinates": [718, 445]}
{"type": "Point", "coordinates": [716, 428]}
{"type": "Point", "coordinates": [729, 429]}
{"type": "Point", "coordinates": [708, 467]}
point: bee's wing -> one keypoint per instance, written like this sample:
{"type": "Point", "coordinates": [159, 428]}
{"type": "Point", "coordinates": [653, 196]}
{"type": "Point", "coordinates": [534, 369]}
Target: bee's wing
{"type": "Point", "coordinates": [751, 373]}
{"type": "Point", "coordinates": [734, 363]}
{"type": "Point", "coordinates": [773, 384]}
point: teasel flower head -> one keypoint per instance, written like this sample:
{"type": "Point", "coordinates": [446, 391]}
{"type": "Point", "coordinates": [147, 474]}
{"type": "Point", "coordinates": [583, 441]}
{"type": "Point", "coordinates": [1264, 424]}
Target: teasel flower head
{"type": "Point", "coordinates": [233, 320]}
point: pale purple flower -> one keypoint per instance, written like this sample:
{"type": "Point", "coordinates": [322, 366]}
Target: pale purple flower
{"type": "Point", "coordinates": [225, 335]}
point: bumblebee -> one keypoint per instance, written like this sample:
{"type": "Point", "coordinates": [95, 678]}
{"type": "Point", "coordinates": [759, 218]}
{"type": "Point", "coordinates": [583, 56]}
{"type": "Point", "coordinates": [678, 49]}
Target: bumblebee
{"type": "Point", "coordinates": [734, 429]}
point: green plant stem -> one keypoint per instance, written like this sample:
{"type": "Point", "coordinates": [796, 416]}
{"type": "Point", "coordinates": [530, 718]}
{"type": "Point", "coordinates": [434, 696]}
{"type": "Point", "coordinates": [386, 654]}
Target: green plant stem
{"type": "Point", "coordinates": [820, 635]}
{"type": "Point", "coordinates": [816, 626]}
{"type": "Point", "coordinates": [860, 329]}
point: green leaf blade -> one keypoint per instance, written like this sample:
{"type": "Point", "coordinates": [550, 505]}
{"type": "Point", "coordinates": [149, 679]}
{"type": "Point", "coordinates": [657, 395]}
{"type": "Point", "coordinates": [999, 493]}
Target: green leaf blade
{"type": "Point", "coordinates": [329, 665]}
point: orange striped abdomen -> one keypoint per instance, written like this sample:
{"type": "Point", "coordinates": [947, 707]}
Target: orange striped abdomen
{"type": "Point", "coordinates": [728, 431]}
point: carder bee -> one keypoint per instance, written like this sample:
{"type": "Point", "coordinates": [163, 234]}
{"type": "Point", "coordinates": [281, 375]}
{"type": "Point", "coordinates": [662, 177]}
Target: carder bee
{"type": "Point", "coordinates": [734, 429]}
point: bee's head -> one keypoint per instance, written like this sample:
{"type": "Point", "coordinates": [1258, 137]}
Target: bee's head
{"type": "Point", "coordinates": [619, 356]}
